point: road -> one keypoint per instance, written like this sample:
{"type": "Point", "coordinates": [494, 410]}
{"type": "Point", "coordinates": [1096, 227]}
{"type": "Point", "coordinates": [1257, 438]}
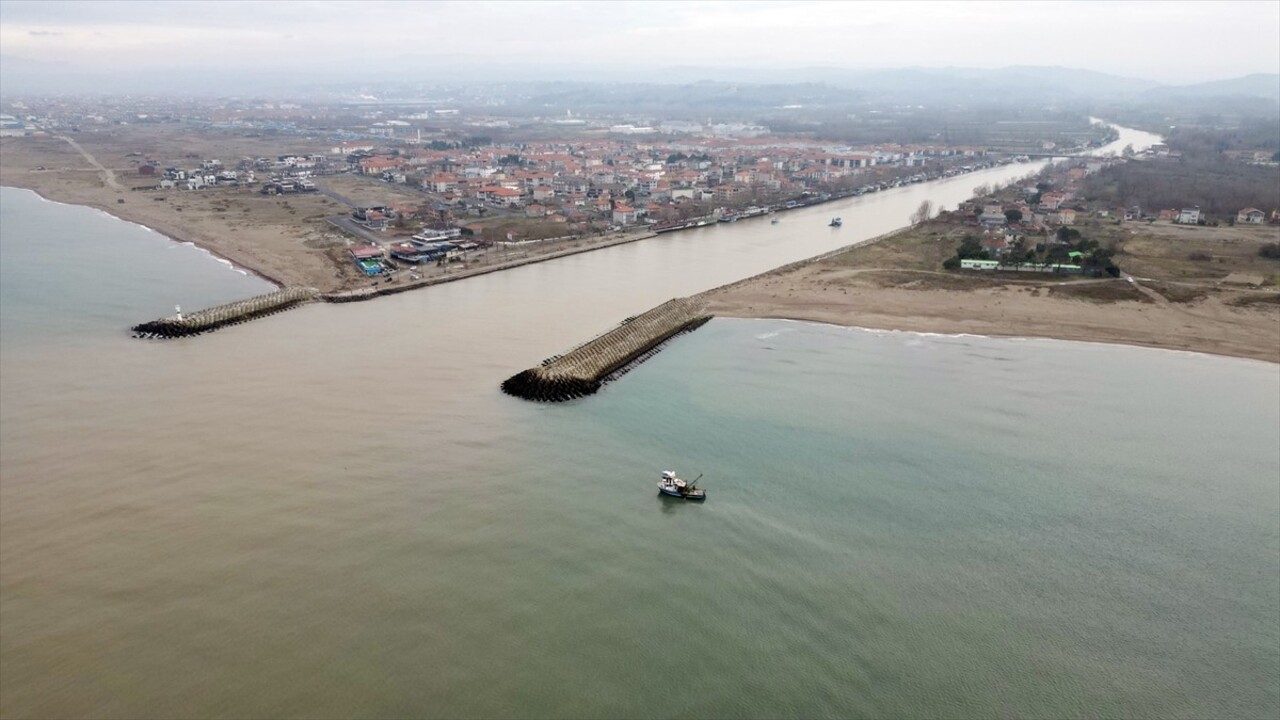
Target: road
{"type": "Point", "coordinates": [347, 224]}
{"type": "Point", "coordinates": [340, 198]}
{"type": "Point", "coordinates": [108, 176]}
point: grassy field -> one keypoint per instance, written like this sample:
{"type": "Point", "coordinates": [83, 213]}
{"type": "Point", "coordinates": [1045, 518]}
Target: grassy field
{"type": "Point", "coordinates": [1161, 251]}
{"type": "Point", "coordinates": [1164, 251]}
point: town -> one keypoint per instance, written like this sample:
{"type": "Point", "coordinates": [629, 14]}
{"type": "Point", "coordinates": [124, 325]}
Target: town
{"type": "Point", "coordinates": [358, 193]}
{"type": "Point", "coordinates": [421, 189]}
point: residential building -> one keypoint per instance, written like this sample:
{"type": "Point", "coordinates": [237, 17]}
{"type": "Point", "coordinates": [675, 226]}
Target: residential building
{"type": "Point", "coordinates": [1251, 216]}
{"type": "Point", "coordinates": [624, 214]}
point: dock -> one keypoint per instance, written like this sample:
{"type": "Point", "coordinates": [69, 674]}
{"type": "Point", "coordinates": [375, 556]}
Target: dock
{"type": "Point", "coordinates": [234, 313]}
{"type": "Point", "coordinates": [583, 370]}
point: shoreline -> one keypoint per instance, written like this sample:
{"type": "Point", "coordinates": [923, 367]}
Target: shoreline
{"type": "Point", "coordinates": [923, 323]}
{"type": "Point", "coordinates": [174, 237]}
{"type": "Point", "coordinates": [997, 336]}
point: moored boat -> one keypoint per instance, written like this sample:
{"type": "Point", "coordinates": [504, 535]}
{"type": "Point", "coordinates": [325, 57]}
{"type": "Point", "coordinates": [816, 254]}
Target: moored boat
{"type": "Point", "coordinates": [675, 487]}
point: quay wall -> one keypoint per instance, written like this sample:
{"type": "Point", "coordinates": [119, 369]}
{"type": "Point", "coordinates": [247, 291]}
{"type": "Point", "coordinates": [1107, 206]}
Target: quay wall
{"type": "Point", "coordinates": [385, 288]}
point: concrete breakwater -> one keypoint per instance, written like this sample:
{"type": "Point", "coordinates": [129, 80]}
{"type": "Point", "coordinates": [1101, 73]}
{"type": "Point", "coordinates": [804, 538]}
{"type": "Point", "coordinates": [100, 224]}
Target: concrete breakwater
{"type": "Point", "coordinates": [181, 325]}
{"type": "Point", "coordinates": [584, 369]}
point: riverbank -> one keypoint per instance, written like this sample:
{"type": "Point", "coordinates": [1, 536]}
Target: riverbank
{"type": "Point", "coordinates": [873, 288]}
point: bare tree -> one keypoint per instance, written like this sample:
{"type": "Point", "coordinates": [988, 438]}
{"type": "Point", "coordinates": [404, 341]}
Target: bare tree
{"type": "Point", "coordinates": [922, 213]}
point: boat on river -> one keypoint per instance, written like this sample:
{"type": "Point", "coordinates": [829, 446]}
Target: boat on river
{"type": "Point", "coordinates": [675, 487]}
{"type": "Point", "coordinates": [836, 222]}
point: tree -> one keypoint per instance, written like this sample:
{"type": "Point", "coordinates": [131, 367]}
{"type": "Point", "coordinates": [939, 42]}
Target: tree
{"type": "Point", "coordinates": [982, 190]}
{"type": "Point", "coordinates": [922, 213]}
{"type": "Point", "coordinates": [1013, 214]}
{"type": "Point", "coordinates": [971, 247]}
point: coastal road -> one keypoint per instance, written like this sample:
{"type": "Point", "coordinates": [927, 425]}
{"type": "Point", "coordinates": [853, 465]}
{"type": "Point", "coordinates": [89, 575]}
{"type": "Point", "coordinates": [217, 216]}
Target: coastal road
{"type": "Point", "coordinates": [108, 176]}
{"type": "Point", "coordinates": [336, 196]}
{"type": "Point", "coordinates": [348, 225]}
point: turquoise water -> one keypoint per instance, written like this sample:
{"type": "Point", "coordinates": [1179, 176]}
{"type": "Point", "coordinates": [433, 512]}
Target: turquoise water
{"type": "Point", "coordinates": [333, 512]}
{"type": "Point", "coordinates": [918, 526]}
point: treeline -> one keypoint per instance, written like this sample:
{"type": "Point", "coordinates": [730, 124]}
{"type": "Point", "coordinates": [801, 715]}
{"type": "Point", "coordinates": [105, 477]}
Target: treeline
{"type": "Point", "coordinates": [1001, 127]}
{"type": "Point", "coordinates": [1070, 248]}
{"type": "Point", "coordinates": [1208, 143]}
{"type": "Point", "coordinates": [1218, 187]}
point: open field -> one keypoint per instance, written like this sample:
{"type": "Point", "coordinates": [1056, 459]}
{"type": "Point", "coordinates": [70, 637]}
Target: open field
{"type": "Point", "coordinates": [369, 192]}
{"type": "Point", "coordinates": [1196, 254]}
{"type": "Point", "coordinates": [898, 284]}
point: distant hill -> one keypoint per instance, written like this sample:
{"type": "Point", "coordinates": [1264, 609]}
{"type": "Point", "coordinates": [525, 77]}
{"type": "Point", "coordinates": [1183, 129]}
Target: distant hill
{"type": "Point", "coordinates": [662, 88]}
{"type": "Point", "coordinates": [1017, 84]}
{"type": "Point", "coordinates": [1265, 86]}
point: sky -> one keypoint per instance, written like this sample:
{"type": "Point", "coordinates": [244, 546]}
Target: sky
{"type": "Point", "coordinates": [1167, 42]}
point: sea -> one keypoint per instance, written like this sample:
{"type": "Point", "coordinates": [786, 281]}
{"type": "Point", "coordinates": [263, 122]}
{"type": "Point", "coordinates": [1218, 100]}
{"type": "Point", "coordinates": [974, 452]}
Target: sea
{"type": "Point", "coordinates": [334, 512]}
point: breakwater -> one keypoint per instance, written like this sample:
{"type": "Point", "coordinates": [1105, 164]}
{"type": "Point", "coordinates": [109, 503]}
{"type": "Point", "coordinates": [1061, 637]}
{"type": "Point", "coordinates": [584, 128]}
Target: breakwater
{"type": "Point", "coordinates": [233, 313]}
{"type": "Point", "coordinates": [584, 369]}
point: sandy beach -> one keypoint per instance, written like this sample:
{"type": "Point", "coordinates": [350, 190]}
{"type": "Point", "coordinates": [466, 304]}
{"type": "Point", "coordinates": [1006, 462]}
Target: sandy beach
{"type": "Point", "coordinates": [283, 241]}
{"type": "Point", "coordinates": [842, 289]}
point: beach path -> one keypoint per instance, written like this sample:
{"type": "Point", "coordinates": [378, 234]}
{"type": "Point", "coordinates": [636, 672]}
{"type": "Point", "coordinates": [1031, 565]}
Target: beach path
{"type": "Point", "coordinates": [108, 176]}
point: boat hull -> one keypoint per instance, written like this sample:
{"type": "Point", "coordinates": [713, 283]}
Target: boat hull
{"type": "Point", "coordinates": [691, 495]}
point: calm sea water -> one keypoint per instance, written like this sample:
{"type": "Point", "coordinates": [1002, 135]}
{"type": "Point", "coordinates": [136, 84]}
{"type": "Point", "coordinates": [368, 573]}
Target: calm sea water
{"type": "Point", "coordinates": [333, 512]}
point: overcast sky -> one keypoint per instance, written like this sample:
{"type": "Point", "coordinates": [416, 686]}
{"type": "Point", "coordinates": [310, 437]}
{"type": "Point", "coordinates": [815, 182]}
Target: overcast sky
{"type": "Point", "coordinates": [1171, 42]}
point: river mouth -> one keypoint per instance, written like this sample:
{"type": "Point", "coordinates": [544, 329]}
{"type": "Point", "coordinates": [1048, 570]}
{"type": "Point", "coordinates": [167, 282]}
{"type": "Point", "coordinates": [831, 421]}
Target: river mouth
{"type": "Point", "coordinates": [334, 511]}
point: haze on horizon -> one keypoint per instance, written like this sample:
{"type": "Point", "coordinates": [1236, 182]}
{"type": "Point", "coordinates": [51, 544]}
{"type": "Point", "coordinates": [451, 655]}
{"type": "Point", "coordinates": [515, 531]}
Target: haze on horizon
{"type": "Point", "coordinates": [1173, 43]}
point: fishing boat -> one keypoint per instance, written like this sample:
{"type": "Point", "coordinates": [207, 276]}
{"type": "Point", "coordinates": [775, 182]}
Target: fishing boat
{"type": "Point", "coordinates": [836, 222]}
{"type": "Point", "coordinates": [675, 487]}
{"type": "Point", "coordinates": [773, 220]}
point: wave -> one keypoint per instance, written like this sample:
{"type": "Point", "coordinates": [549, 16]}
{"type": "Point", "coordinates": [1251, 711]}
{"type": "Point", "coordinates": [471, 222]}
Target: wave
{"type": "Point", "coordinates": [914, 337]}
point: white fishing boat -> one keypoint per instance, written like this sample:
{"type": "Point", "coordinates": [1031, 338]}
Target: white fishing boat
{"type": "Point", "coordinates": [675, 487]}
{"type": "Point", "coordinates": [836, 222]}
